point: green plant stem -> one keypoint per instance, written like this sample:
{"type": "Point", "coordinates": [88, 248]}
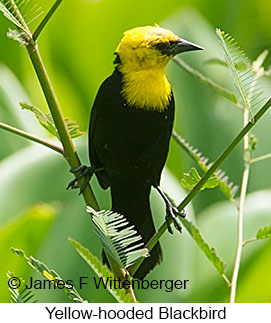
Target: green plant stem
{"type": "Point", "coordinates": [69, 150]}
{"type": "Point", "coordinates": [46, 19]}
{"type": "Point", "coordinates": [181, 142]}
{"type": "Point", "coordinates": [31, 137]}
{"type": "Point", "coordinates": [241, 212]}
{"type": "Point", "coordinates": [154, 239]}
{"type": "Point", "coordinates": [249, 240]}
{"type": "Point", "coordinates": [260, 158]}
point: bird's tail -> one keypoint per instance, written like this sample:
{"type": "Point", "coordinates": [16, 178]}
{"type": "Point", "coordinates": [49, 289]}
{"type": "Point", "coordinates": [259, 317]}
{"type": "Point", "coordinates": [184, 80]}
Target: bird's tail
{"type": "Point", "coordinates": [131, 199]}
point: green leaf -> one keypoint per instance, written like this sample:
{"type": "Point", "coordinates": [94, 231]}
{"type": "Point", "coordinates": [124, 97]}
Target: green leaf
{"type": "Point", "coordinates": [121, 241]}
{"type": "Point", "coordinates": [206, 249]}
{"type": "Point", "coordinates": [244, 79]}
{"type": "Point", "coordinates": [51, 275]}
{"type": "Point", "coordinates": [20, 294]}
{"type": "Point", "coordinates": [101, 271]}
{"type": "Point", "coordinates": [16, 12]}
{"type": "Point", "coordinates": [264, 233]}
{"type": "Point", "coordinates": [9, 10]}
{"type": "Point", "coordinates": [190, 179]}
{"type": "Point", "coordinates": [227, 188]}
{"type": "Point", "coordinates": [208, 82]}
{"type": "Point", "coordinates": [46, 120]}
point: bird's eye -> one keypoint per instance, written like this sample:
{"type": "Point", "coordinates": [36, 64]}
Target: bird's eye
{"type": "Point", "coordinates": [161, 46]}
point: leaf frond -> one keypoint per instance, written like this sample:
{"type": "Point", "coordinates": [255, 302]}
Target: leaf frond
{"type": "Point", "coordinates": [102, 271]}
{"type": "Point", "coordinates": [191, 178]}
{"type": "Point", "coordinates": [209, 252]}
{"type": "Point", "coordinates": [51, 275]}
{"type": "Point", "coordinates": [227, 187]}
{"type": "Point", "coordinates": [46, 121]}
{"type": "Point", "coordinates": [20, 294]}
{"type": "Point", "coordinates": [264, 233]}
{"type": "Point", "coordinates": [119, 239]}
{"type": "Point", "coordinates": [16, 11]}
{"type": "Point", "coordinates": [244, 75]}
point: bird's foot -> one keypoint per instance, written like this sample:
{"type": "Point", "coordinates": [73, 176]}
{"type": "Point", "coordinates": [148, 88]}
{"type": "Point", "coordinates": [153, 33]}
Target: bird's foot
{"type": "Point", "coordinates": [172, 213]}
{"type": "Point", "coordinates": [85, 171]}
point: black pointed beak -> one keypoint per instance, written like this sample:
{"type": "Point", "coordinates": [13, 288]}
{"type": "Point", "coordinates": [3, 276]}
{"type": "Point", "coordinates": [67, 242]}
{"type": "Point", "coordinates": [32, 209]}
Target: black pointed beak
{"type": "Point", "coordinates": [183, 45]}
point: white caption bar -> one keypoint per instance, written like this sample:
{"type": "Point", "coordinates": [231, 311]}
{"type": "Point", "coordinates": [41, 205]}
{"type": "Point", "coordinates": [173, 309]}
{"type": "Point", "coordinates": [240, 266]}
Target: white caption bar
{"type": "Point", "coordinates": [135, 312]}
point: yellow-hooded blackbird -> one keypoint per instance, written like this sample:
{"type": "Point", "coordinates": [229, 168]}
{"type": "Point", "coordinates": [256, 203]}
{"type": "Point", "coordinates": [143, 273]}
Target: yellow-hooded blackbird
{"type": "Point", "coordinates": [130, 128]}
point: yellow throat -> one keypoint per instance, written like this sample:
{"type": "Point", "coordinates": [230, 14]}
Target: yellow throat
{"type": "Point", "coordinates": [143, 67]}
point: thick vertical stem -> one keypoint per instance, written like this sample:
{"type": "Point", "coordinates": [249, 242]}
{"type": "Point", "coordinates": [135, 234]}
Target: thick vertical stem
{"type": "Point", "coordinates": [65, 138]}
{"type": "Point", "coordinates": [69, 149]}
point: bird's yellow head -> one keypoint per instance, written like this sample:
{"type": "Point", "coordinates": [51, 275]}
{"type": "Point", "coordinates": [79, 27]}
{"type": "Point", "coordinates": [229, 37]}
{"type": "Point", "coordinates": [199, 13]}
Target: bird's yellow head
{"type": "Point", "coordinates": [142, 56]}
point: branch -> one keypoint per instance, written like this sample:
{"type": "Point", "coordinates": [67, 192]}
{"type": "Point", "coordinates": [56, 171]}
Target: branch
{"type": "Point", "coordinates": [260, 158]}
{"type": "Point", "coordinates": [155, 238]}
{"type": "Point", "coordinates": [69, 150]}
{"type": "Point", "coordinates": [31, 137]}
{"type": "Point", "coordinates": [46, 19]}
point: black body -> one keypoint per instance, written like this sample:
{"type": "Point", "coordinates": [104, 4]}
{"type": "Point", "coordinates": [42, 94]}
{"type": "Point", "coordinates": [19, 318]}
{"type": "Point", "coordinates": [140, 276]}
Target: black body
{"type": "Point", "coordinates": [131, 144]}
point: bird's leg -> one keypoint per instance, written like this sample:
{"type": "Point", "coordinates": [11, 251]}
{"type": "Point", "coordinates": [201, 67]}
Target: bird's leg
{"type": "Point", "coordinates": [171, 212]}
{"type": "Point", "coordinates": [85, 171]}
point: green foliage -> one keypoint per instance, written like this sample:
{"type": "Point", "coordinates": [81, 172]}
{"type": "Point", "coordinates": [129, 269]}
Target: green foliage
{"type": "Point", "coordinates": [209, 252]}
{"type": "Point", "coordinates": [26, 230]}
{"type": "Point", "coordinates": [119, 239]}
{"type": "Point", "coordinates": [20, 294]}
{"type": "Point", "coordinates": [244, 78]}
{"type": "Point", "coordinates": [46, 120]}
{"type": "Point", "coordinates": [10, 11]}
{"type": "Point", "coordinates": [101, 271]}
{"type": "Point", "coordinates": [51, 275]}
{"type": "Point", "coordinates": [227, 188]}
{"type": "Point", "coordinates": [191, 178]}
{"type": "Point", "coordinates": [76, 87]}
{"type": "Point", "coordinates": [216, 224]}
{"type": "Point", "coordinates": [264, 233]}
{"type": "Point", "coordinates": [208, 82]}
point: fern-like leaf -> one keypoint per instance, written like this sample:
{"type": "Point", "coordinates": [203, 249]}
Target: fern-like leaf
{"type": "Point", "coordinates": [119, 239]}
{"type": "Point", "coordinates": [264, 233]}
{"type": "Point", "coordinates": [102, 271]}
{"type": "Point", "coordinates": [227, 188]}
{"type": "Point", "coordinates": [191, 178]}
{"type": "Point", "coordinates": [51, 275]}
{"type": "Point", "coordinates": [21, 13]}
{"type": "Point", "coordinates": [46, 121]}
{"type": "Point", "coordinates": [209, 252]}
{"type": "Point", "coordinates": [20, 294]}
{"type": "Point", "coordinates": [244, 78]}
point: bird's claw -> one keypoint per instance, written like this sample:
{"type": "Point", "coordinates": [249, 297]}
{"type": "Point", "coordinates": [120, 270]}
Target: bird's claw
{"type": "Point", "coordinates": [85, 171]}
{"type": "Point", "coordinates": [172, 213]}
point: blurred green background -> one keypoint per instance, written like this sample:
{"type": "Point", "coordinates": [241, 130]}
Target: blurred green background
{"type": "Point", "coordinates": [38, 215]}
